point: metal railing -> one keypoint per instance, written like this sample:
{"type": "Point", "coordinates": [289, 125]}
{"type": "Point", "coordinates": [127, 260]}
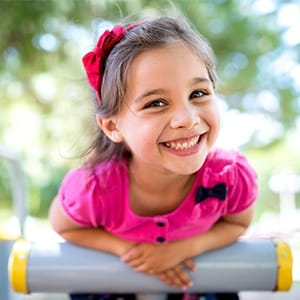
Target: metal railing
{"type": "Point", "coordinates": [20, 212]}
{"type": "Point", "coordinates": [18, 186]}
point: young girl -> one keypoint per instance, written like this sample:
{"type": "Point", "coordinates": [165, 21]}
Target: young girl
{"type": "Point", "coordinates": [153, 191]}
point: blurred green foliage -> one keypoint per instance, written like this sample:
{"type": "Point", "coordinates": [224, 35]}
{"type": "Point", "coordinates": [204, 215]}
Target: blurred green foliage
{"type": "Point", "coordinates": [46, 111]}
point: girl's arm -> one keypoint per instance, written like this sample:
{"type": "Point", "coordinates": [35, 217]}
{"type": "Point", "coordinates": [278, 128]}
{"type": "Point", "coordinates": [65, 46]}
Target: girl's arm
{"type": "Point", "coordinates": [94, 238]}
{"type": "Point", "coordinates": [101, 240]}
{"type": "Point", "coordinates": [225, 232]}
{"type": "Point", "coordinates": [156, 258]}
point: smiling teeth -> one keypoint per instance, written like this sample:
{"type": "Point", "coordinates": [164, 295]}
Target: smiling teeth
{"type": "Point", "coordinates": [182, 146]}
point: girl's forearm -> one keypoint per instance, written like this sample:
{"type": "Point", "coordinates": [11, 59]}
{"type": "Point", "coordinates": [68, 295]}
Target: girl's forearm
{"type": "Point", "coordinates": [97, 239]}
{"type": "Point", "coordinates": [220, 235]}
{"type": "Point", "coordinates": [225, 232]}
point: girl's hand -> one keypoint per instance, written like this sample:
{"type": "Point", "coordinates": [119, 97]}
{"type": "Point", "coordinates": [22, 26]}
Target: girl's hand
{"type": "Point", "coordinates": [153, 258]}
{"type": "Point", "coordinates": [176, 276]}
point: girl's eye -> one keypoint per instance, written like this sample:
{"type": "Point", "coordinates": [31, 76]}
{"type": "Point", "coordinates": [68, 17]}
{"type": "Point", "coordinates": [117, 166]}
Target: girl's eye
{"type": "Point", "coordinates": [197, 94]}
{"type": "Point", "coordinates": [155, 103]}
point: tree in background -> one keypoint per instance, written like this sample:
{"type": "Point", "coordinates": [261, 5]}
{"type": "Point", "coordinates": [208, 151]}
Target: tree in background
{"type": "Point", "coordinates": [45, 101]}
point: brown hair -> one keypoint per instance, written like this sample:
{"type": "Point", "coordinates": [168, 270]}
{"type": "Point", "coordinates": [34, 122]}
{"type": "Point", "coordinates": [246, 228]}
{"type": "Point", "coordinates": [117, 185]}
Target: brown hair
{"type": "Point", "coordinates": [150, 34]}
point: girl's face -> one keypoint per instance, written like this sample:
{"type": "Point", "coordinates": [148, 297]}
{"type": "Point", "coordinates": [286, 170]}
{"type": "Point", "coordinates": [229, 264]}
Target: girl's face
{"type": "Point", "coordinates": [169, 119]}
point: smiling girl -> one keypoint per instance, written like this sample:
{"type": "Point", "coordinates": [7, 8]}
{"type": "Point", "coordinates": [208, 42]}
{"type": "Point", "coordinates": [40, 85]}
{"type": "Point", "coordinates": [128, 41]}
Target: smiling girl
{"type": "Point", "coordinates": [153, 190]}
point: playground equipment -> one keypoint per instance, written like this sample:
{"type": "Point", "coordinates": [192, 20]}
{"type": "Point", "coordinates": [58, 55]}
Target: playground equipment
{"type": "Point", "coordinates": [18, 195]}
{"type": "Point", "coordinates": [17, 186]}
{"type": "Point", "coordinates": [258, 265]}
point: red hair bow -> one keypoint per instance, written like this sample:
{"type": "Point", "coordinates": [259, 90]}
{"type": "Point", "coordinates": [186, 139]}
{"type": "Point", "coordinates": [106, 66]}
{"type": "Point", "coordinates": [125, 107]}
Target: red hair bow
{"type": "Point", "coordinates": [94, 60]}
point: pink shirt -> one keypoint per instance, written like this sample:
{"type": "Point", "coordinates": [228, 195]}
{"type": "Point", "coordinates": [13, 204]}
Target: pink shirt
{"type": "Point", "coordinates": [98, 197]}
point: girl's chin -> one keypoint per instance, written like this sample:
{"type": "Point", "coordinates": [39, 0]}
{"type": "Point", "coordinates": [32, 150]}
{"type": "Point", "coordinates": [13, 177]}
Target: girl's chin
{"type": "Point", "coordinates": [188, 167]}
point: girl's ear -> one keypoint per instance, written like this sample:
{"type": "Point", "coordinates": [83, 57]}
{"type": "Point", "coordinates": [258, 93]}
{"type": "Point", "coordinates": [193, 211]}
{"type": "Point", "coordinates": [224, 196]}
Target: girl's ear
{"type": "Point", "coordinates": [110, 128]}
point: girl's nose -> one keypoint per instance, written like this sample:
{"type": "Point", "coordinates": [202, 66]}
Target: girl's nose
{"type": "Point", "coordinates": [185, 116]}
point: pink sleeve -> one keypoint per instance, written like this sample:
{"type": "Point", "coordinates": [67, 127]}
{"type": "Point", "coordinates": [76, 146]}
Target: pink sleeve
{"type": "Point", "coordinates": [77, 194]}
{"type": "Point", "coordinates": [243, 192]}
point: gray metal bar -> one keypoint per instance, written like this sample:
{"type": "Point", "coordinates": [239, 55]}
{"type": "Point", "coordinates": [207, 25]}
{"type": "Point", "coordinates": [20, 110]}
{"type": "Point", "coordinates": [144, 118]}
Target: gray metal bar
{"type": "Point", "coordinates": [19, 209]}
{"type": "Point", "coordinates": [18, 186]}
{"type": "Point", "coordinates": [5, 247]}
{"type": "Point", "coordinates": [62, 267]}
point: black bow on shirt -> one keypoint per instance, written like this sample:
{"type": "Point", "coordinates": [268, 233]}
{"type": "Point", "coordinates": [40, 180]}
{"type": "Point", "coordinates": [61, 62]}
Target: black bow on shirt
{"type": "Point", "coordinates": [217, 191]}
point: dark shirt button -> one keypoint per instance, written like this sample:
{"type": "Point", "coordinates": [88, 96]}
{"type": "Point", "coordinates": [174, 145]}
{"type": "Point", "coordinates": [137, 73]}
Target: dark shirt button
{"type": "Point", "coordinates": [160, 224]}
{"type": "Point", "coordinates": [160, 239]}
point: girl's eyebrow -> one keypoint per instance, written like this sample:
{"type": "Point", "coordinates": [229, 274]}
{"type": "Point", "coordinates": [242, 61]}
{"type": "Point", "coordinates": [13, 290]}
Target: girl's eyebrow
{"type": "Point", "coordinates": [147, 94]}
{"type": "Point", "coordinates": [200, 79]}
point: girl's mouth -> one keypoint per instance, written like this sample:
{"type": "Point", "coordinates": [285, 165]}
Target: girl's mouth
{"type": "Point", "coordinates": [183, 144]}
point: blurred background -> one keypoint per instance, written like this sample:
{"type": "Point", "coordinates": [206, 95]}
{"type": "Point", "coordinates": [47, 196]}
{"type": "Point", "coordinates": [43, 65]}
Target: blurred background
{"type": "Point", "coordinates": [47, 116]}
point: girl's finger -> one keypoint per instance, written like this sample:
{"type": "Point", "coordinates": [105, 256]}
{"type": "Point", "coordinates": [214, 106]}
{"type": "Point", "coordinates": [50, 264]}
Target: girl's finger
{"type": "Point", "coordinates": [164, 278]}
{"type": "Point", "coordinates": [175, 279]}
{"type": "Point", "coordinates": [190, 264]}
{"type": "Point", "coordinates": [144, 268]}
{"type": "Point", "coordinates": [183, 277]}
{"type": "Point", "coordinates": [130, 256]}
